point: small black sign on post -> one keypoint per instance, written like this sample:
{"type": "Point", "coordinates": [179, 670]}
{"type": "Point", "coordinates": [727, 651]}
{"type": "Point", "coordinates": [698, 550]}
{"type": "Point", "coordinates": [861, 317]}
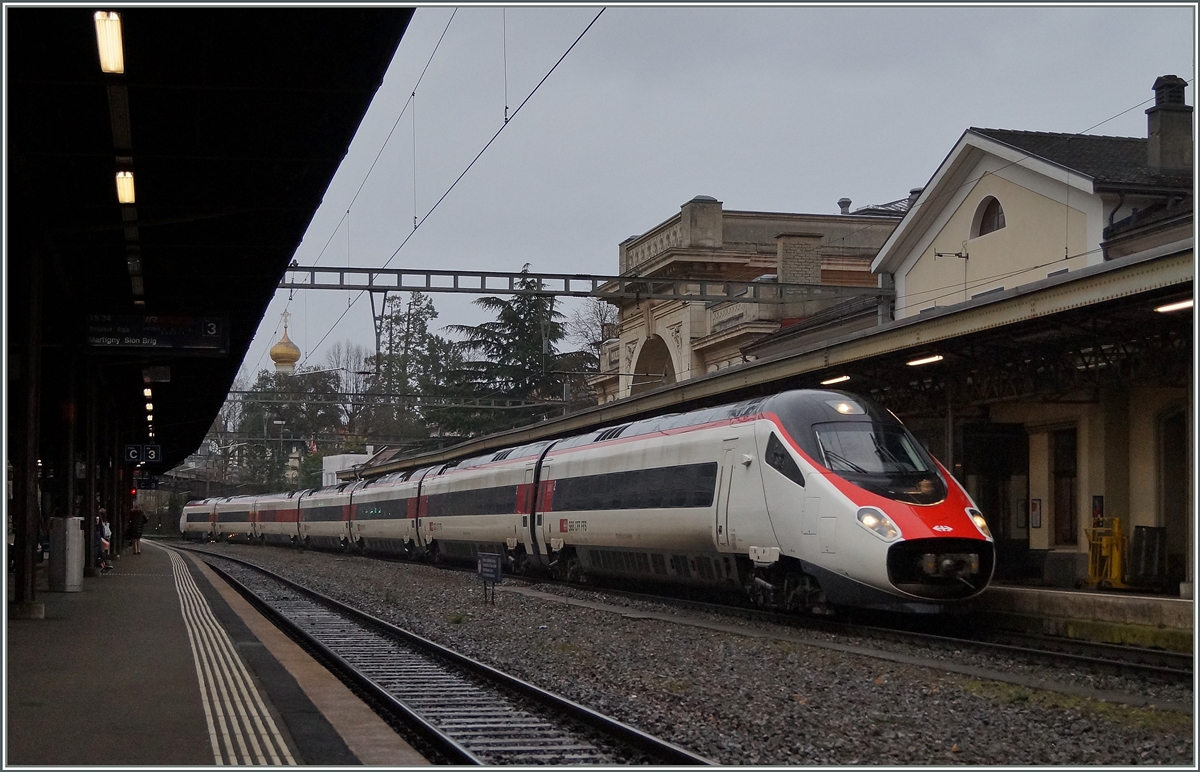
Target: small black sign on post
{"type": "Point", "coordinates": [488, 566]}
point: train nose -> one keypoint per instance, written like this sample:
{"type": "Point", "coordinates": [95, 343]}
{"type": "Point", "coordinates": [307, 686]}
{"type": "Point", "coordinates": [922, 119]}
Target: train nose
{"type": "Point", "coordinates": [941, 568]}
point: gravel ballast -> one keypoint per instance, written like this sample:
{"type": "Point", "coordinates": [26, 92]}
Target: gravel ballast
{"type": "Point", "coordinates": [740, 699]}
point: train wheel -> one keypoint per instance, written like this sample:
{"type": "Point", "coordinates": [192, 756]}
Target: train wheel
{"type": "Point", "coordinates": [575, 572]}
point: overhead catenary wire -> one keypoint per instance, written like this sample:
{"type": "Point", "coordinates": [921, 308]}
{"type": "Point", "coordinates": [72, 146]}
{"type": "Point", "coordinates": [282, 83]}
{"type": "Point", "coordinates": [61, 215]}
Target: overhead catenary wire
{"type": "Point", "coordinates": [375, 161]}
{"type": "Point", "coordinates": [458, 179]}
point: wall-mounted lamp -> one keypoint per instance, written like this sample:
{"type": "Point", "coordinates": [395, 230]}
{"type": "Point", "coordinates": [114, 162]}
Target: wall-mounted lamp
{"type": "Point", "coordinates": [108, 38]}
{"type": "Point", "coordinates": [1169, 307]}
{"type": "Point", "coordinates": [839, 379]}
{"type": "Point", "coordinates": [925, 360]}
{"type": "Point", "coordinates": [125, 187]}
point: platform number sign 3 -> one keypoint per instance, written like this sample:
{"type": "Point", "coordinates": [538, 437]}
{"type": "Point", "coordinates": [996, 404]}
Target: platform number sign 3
{"type": "Point", "coordinates": [152, 453]}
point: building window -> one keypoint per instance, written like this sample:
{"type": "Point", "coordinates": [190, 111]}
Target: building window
{"type": "Point", "coordinates": [989, 217]}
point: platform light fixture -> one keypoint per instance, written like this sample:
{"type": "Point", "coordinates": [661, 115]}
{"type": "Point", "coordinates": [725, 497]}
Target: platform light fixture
{"type": "Point", "coordinates": [125, 187]}
{"type": "Point", "coordinates": [149, 417]}
{"type": "Point", "coordinates": [147, 392]}
{"type": "Point", "coordinates": [108, 39]}
{"type": "Point", "coordinates": [839, 379]}
{"type": "Point", "coordinates": [149, 407]}
{"type": "Point", "coordinates": [1180, 306]}
{"type": "Point", "coordinates": [925, 360]}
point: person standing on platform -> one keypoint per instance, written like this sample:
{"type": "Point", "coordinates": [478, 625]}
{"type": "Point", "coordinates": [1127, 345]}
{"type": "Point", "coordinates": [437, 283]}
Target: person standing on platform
{"type": "Point", "coordinates": [104, 537]}
{"type": "Point", "coordinates": [137, 523]}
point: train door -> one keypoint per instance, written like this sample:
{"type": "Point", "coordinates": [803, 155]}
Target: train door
{"type": "Point", "coordinates": [793, 509]}
{"type": "Point", "coordinates": [745, 509]}
{"type": "Point", "coordinates": [724, 482]}
{"type": "Point", "coordinates": [528, 532]}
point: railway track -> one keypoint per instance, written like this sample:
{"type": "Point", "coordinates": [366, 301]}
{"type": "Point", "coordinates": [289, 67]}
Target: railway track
{"type": "Point", "coordinates": [466, 711]}
{"type": "Point", "coordinates": [965, 633]}
{"type": "Point", "coordinates": [970, 633]}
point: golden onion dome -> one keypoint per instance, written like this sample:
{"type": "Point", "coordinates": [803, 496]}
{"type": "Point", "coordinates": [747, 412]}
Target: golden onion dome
{"type": "Point", "coordinates": [285, 354]}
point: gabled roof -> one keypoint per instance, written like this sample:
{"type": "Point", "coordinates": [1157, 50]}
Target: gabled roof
{"type": "Point", "coordinates": [1098, 164]}
{"type": "Point", "coordinates": [1110, 161]}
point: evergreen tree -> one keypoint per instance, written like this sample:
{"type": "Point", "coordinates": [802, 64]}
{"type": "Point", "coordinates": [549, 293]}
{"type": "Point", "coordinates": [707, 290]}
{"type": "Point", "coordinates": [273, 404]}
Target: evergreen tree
{"type": "Point", "coordinates": [412, 370]}
{"type": "Point", "coordinates": [513, 358]}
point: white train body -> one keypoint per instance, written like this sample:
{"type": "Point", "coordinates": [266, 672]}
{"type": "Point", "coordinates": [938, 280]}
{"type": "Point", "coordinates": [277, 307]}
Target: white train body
{"type": "Point", "coordinates": [234, 518]}
{"type": "Point", "coordinates": [325, 517]}
{"type": "Point", "coordinates": [806, 499]}
{"type": "Point", "coordinates": [198, 519]}
{"type": "Point", "coordinates": [384, 514]}
{"type": "Point", "coordinates": [277, 517]}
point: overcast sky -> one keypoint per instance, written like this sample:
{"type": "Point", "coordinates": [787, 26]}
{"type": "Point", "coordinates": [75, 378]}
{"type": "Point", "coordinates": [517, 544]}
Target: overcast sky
{"type": "Point", "coordinates": [766, 109]}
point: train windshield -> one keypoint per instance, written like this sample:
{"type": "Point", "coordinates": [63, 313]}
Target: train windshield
{"type": "Point", "coordinates": [883, 459]}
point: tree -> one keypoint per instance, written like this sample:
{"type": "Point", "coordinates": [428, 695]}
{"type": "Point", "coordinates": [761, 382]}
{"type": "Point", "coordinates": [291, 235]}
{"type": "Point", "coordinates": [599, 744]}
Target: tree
{"type": "Point", "coordinates": [514, 358]}
{"type": "Point", "coordinates": [351, 366]}
{"type": "Point", "coordinates": [593, 322]}
{"type": "Point", "coordinates": [279, 415]}
{"type": "Point", "coordinates": [414, 369]}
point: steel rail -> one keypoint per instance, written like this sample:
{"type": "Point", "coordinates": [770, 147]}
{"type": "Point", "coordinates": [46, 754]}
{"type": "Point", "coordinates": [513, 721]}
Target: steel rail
{"type": "Point", "coordinates": [663, 752]}
{"type": "Point", "coordinates": [1172, 667]}
{"type": "Point", "coordinates": [441, 743]}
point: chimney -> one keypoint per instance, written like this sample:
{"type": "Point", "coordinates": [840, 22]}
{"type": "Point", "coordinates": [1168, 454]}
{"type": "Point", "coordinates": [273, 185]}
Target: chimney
{"type": "Point", "coordinates": [844, 203]}
{"type": "Point", "coordinates": [700, 223]}
{"type": "Point", "coordinates": [1169, 148]}
{"type": "Point", "coordinates": [913, 195]}
{"type": "Point", "coordinates": [798, 258]}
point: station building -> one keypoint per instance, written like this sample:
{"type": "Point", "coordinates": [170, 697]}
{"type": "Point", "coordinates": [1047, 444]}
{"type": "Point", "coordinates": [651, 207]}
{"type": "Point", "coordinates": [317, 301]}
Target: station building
{"type": "Point", "coordinates": [1046, 279]}
{"type": "Point", "coordinates": [660, 342]}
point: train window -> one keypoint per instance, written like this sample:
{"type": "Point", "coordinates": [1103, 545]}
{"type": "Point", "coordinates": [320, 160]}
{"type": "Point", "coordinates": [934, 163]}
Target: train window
{"type": "Point", "coordinates": [869, 448]}
{"type": "Point", "coordinates": [884, 459]}
{"type": "Point", "coordinates": [780, 460]}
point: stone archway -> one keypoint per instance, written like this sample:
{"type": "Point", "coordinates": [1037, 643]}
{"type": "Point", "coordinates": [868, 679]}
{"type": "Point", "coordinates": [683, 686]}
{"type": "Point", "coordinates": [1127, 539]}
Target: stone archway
{"type": "Point", "coordinates": [654, 367]}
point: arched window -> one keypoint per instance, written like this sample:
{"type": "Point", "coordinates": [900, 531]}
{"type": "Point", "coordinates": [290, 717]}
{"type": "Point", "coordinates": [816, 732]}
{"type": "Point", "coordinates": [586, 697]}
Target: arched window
{"type": "Point", "coordinates": [989, 217]}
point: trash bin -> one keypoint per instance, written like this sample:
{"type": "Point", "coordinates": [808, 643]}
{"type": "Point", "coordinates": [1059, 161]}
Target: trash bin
{"type": "Point", "coordinates": [1149, 554]}
{"type": "Point", "coordinates": [67, 554]}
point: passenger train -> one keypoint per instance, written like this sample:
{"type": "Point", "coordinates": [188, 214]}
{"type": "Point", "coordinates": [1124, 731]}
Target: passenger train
{"type": "Point", "coordinates": [808, 500]}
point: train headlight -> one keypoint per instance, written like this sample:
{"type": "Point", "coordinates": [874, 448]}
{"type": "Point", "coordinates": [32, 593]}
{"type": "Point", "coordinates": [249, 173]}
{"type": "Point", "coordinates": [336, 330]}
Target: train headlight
{"type": "Point", "coordinates": [878, 523]}
{"type": "Point", "coordinates": [980, 523]}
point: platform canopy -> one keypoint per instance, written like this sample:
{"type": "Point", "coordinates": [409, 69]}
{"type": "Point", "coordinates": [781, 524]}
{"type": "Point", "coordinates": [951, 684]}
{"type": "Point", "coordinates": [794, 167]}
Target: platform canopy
{"type": "Point", "coordinates": [232, 122]}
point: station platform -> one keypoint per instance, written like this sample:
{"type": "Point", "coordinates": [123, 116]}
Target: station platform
{"type": "Point", "coordinates": [159, 663]}
{"type": "Point", "coordinates": [1103, 615]}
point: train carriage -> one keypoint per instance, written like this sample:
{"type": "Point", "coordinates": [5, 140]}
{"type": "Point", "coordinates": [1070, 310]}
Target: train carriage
{"type": "Point", "coordinates": [384, 514]}
{"type": "Point", "coordinates": [325, 517]}
{"type": "Point", "coordinates": [234, 519]}
{"type": "Point", "coordinates": [650, 499]}
{"type": "Point", "coordinates": [198, 519]}
{"type": "Point", "coordinates": [480, 505]}
{"type": "Point", "coordinates": [277, 517]}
